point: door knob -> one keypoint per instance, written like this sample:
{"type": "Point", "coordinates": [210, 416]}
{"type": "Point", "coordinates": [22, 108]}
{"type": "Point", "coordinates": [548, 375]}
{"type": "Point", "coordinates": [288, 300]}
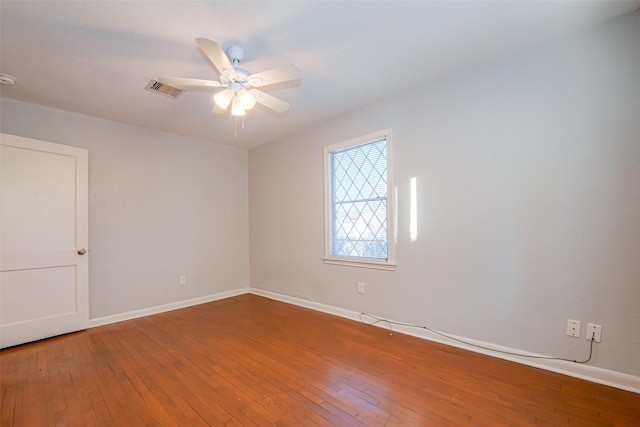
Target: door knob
{"type": "Point", "coordinates": [82, 251]}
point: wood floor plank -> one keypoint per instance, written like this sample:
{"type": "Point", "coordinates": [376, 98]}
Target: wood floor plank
{"type": "Point", "coordinates": [251, 361]}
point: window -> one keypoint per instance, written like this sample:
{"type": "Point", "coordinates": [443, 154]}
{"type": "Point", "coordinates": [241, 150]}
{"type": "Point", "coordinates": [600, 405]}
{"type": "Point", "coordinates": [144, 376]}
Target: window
{"type": "Point", "coordinates": [359, 203]}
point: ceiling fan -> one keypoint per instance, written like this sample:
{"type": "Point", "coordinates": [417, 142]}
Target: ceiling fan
{"type": "Point", "coordinates": [236, 86]}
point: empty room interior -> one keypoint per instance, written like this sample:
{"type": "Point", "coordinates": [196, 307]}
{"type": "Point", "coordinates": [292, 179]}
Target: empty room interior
{"type": "Point", "coordinates": [367, 213]}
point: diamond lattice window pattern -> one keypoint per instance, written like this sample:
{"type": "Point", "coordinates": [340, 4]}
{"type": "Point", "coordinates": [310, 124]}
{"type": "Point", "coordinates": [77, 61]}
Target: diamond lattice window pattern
{"type": "Point", "coordinates": [359, 201]}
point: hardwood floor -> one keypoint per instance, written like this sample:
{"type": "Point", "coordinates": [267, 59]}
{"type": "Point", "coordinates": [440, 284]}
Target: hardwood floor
{"type": "Point", "coordinates": [250, 361]}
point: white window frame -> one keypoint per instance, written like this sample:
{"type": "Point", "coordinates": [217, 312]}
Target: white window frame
{"type": "Point", "coordinates": [381, 264]}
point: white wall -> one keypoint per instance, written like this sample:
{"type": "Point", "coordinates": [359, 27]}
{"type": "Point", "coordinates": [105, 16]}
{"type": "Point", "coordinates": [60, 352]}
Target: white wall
{"type": "Point", "coordinates": [160, 206]}
{"type": "Point", "coordinates": [528, 173]}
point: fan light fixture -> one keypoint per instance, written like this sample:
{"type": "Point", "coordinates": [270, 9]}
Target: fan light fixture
{"type": "Point", "coordinates": [247, 100]}
{"type": "Point", "coordinates": [239, 98]}
{"type": "Point", "coordinates": [223, 99]}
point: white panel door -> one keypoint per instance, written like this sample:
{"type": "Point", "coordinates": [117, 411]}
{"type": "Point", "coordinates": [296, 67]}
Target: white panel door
{"type": "Point", "coordinates": [44, 264]}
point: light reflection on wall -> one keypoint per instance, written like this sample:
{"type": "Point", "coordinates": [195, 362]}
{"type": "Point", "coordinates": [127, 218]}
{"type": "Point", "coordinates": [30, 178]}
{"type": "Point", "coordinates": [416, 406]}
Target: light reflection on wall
{"type": "Point", "coordinates": [413, 209]}
{"type": "Point", "coordinates": [395, 214]}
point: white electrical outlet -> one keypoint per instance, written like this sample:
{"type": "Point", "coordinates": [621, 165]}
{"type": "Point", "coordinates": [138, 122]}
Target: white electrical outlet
{"type": "Point", "coordinates": [361, 287]}
{"type": "Point", "coordinates": [183, 280]}
{"type": "Point", "coordinates": [573, 328]}
{"type": "Point", "coordinates": [593, 331]}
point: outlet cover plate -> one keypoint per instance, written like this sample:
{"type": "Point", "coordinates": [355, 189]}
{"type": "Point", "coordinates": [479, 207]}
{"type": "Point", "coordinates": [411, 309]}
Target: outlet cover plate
{"type": "Point", "coordinates": [361, 287]}
{"type": "Point", "coordinates": [573, 328]}
{"type": "Point", "coordinates": [594, 331]}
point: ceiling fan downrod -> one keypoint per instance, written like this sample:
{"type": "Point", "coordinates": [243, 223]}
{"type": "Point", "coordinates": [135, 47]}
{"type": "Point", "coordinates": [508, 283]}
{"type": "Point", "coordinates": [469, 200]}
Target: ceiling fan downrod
{"type": "Point", "coordinates": [235, 54]}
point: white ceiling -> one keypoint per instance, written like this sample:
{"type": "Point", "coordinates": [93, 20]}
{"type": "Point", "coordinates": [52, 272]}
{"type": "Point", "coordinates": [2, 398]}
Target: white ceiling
{"type": "Point", "coordinates": [95, 58]}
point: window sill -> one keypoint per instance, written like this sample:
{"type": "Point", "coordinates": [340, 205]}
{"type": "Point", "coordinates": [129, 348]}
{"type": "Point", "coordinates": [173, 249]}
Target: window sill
{"type": "Point", "coordinates": [363, 263]}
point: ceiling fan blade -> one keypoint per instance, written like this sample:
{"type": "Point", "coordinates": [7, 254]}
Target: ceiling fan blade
{"type": "Point", "coordinates": [216, 57]}
{"type": "Point", "coordinates": [271, 102]}
{"type": "Point", "coordinates": [275, 75]}
{"type": "Point", "coordinates": [191, 84]}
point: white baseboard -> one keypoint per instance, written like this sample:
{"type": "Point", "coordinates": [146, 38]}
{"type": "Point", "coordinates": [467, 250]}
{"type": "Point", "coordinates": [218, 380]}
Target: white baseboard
{"type": "Point", "coordinates": [590, 373]}
{"type": "Point", "coordinates": [165, 307]}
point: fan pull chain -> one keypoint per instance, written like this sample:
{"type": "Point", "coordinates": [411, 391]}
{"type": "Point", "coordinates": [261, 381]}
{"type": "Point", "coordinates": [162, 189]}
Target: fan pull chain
{"type": "Point", "coordinates": [235, 127]}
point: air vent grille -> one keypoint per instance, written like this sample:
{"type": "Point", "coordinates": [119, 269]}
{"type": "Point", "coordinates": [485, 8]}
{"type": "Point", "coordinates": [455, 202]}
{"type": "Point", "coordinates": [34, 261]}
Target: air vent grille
{"type": "Point", "coordinates": [162, 89]}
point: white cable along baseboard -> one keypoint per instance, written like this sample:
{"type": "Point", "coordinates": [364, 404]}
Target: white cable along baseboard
{"type": "Point", "coordinates": [607, 377]}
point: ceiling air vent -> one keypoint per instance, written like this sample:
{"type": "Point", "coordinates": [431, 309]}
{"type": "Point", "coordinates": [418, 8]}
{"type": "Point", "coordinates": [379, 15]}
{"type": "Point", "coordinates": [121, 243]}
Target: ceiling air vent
{"type": "Point", "coordinates": [162, 89]}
